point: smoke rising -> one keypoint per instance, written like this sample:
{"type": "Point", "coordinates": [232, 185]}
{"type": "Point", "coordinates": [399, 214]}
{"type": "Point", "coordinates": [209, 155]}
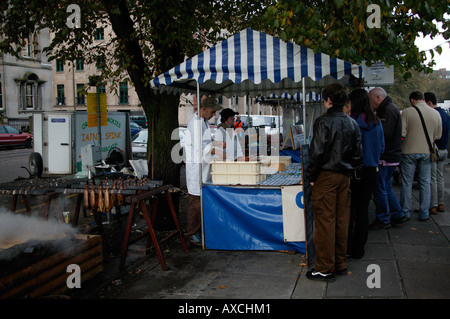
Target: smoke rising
{"type": "Point", "coordinates": [16, 228]}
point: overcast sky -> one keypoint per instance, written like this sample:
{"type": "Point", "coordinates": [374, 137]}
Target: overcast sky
{"type": "Point", "coordinates": [425, 44]}
{"type": "Point", "coordinates": [443, 60]}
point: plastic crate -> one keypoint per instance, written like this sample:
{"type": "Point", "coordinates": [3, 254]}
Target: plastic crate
{"type": "Point", "coordinates": [237, 179]}
{"type": "Point", "coordinates": [224, 167]}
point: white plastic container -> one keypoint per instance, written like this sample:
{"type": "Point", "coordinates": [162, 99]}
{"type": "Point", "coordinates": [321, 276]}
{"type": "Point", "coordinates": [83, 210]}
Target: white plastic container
{"type": "Point", "coordinates": [237, 179]}
{"type": "Point", "coordinates": [223, 167]}
{"type": "Point", "coordinates": [236, 173]}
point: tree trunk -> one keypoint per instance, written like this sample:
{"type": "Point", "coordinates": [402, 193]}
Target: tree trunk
{"type": "Point", "coordinates": [161, 109]}
{"type": "Point", "coordinates": [163, 120]}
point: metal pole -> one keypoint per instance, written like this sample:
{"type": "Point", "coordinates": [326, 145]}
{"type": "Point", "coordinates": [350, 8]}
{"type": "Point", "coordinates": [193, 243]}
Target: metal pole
{"type": "Point", "coordinates": [304, 111]}
{"type": "Point", "coordinates": [74, 86]}
{"type": "Point", "coordinates": [199, 123]}
{"type": "Point", "coordinates": [279, 127]}
{"type": "Point", "coordinates": [99, 117]}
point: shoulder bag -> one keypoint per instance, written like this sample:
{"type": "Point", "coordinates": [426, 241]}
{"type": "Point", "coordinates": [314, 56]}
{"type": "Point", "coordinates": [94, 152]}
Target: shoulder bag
{"type": "Point", "coordinates": [434, 151]}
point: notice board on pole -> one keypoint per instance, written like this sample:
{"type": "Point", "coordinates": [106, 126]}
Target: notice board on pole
{"type": "Point", "coordinates": [378, 74]}
{"type": "Point", "coordinates": [92, 115]}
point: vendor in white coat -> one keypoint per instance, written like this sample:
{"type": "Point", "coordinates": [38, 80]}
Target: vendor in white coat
{"type": "Point", "coordinates": [227, 134]}
{"type": "Point", "coordinates": [208, 108]}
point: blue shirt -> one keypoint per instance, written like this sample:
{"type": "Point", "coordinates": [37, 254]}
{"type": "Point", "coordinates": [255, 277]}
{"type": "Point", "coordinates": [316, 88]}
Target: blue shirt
{"type": "Point", "coordinates": [442, 143]}
{"type": "Point", "coordinates": [372, 140]}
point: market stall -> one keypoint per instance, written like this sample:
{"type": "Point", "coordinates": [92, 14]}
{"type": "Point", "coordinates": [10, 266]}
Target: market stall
{"type": "Point", "coordinates": [253, 63]}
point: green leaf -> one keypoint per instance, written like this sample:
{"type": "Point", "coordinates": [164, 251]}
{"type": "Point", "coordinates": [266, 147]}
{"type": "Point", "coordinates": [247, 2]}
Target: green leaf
{"type": "Point", "coordinates": [338, 3]}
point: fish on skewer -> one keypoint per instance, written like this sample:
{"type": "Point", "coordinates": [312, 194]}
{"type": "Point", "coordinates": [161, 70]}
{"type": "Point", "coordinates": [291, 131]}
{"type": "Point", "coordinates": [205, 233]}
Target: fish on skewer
{"type": "Point", "coordinates": [101, 203]}
{"type": "Point", "coordinates": [107, 199]}
{"type": "Point", "coordinates": [113, 196]}
{"type": "Point", "coordinates": [92, 199]}
{"type": "Point", "coordinates": [86, 197]}
{"type": "Point", "coordinates": [120, 198]}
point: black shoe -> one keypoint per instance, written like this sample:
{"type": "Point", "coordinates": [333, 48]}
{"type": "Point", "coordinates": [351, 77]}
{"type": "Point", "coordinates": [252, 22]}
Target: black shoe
{"type": "Point", "coordinates": [341, 272]}
{"type": "Point", "coordinates": [316, 275]}
{"type": "Point", "coordinates": [399, 221]}
{"type": "Point", "coordinates": [377, 224]}
{"type": "Point", "coordinates": [357, 255]}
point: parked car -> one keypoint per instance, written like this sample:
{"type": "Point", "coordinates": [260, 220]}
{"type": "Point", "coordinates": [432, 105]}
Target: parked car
{"type": "Point", "coordinates": [134, 129]}
{"type": "Point", "coordinates": [139, 144]}
{"type": "Point", "coordinates": [140, 120]}
{"type": "Point", "coordinates": [10, 136]}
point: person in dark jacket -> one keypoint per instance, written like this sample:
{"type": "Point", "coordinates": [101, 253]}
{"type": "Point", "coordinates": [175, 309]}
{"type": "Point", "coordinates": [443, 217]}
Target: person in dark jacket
{"type": "Point", "coordinates": [388, 210]}
{"type": "Point", "coordinates": [334, 154]}
{"type": "Point", "coordinates": [363, 184]}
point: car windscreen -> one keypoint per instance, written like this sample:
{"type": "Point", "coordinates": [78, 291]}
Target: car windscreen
{"type": "Point", "coordinates": [142, 137]}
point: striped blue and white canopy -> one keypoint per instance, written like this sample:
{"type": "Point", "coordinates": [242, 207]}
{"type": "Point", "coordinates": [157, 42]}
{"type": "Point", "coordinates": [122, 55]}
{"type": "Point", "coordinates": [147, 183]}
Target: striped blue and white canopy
{"type": "Point", "coordinates": [254, 63]}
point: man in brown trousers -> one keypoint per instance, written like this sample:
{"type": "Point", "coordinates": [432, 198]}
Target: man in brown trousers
{"type": "Point", "coordinates": [335, 153]}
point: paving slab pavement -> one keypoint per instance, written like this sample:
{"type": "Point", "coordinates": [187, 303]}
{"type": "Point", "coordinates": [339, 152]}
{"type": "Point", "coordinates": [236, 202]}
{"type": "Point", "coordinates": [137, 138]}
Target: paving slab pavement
{"type": "Point", "coordinates": [413, 260]}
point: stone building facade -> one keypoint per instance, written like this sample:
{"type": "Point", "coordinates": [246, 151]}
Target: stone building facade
{"type": "Point", "coordinates": [26, 82]}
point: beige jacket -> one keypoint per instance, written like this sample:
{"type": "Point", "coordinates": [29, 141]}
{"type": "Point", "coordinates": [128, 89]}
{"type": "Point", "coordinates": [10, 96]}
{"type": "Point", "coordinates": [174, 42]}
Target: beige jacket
{"type": "Point", "coordinates": [414, 140]}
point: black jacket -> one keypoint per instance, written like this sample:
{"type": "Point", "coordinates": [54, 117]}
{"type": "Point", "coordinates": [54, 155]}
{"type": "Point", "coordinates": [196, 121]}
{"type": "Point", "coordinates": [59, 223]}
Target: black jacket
{"type": "Point", "coordinates": [335, 146]}
{"type": "Point", "coordinates": [392, 128]}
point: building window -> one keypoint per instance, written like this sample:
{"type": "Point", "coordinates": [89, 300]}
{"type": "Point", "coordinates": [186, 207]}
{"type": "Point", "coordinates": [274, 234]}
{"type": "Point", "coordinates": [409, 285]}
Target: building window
{"type": "Point", "coordinates": [60, 98]}
{"type": "Point", "coordinates": [36, 50]}
{"type": "Point", "coordinates": [29, 96]}
{"type": "Point", "coordinates": [30, 47]}
{"type": "Point", "coordinates": [100, 62]}
{"type": "Point", "coordinates": [59, 66]}
{"type": "Point", "coordinates": [123, 93]}
{"type": "Point", "coordinates": [26, 48]}
{"type": "Point", "coordinates": [81, 98]}
{"type": "Point", "coordinates": [80, 65]}
{"type": "Point", "coordinates": [99, 34]}
{"type": "Point", "coordinates": [30, 93]}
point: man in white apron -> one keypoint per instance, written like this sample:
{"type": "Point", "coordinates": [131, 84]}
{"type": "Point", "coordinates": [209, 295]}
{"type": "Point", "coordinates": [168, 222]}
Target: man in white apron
{"type": "Point", "coordinates": [194, 151]}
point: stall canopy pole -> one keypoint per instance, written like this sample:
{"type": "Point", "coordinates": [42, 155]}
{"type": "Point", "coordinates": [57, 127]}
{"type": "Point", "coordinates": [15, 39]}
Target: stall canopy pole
{"type": "Point", "coordinates": [200, 150]}
{"type": "Point", "coordinates": [199, 127]}
{"type": "Point", "coordinates": [304, 111]}
{"type": "Point", "coordinates": [99, 119]}
{"type": "Point", "coordinates": [279, 126]}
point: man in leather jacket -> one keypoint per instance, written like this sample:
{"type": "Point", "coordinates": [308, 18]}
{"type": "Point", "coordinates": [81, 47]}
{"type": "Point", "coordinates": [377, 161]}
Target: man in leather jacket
{"type": "Point", "coordinates": [335, 153]}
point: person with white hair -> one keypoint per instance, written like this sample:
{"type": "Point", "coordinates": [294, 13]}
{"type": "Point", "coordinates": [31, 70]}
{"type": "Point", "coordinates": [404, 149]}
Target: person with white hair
{"type": "Point", "coordinates": [388, 210]}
